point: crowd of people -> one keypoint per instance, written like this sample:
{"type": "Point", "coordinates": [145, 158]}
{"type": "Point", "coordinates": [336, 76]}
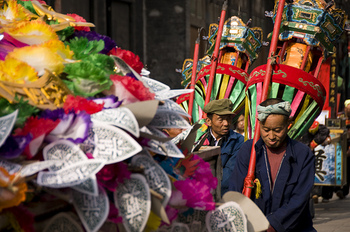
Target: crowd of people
{"type": "Point", "coordinates": [285, 168]}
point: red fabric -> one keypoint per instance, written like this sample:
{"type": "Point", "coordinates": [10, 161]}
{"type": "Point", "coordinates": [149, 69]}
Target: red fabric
{"type": "Point", "coordinates": [275, 157]}
{"type": "Point", "coordinates": [293, 77]}
{"type": "Point", "coordinates": [271, 229]}
{"type": "Point", "coordinates": [231, 70]}
{"type": "Point", "coordinates": [324, 77]}
{"type": "Point", "coordinates": [182, 98]}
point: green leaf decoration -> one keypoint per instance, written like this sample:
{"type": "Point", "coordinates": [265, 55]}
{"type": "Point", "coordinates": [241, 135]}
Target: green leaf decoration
{"type": "Point", "coordinates": [91, 75]}
{"type": "Point", "coordinates": [28, 5]}
{"type": "Point", "coordinates": [24, 110]}
{"type": "Point", "coordinates": [83, 48]}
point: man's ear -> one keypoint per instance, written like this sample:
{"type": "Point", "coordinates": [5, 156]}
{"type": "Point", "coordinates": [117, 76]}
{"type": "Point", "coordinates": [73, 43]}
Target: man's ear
{"type": "Point", "coordinates": [208, 121]}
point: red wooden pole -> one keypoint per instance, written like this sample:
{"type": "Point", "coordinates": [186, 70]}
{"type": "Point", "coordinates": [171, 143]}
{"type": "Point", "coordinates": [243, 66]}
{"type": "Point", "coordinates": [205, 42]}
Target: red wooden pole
{"type": "Point", "coordinates": [214, 59]}
{"type": "Point", "coordinates": [303, 64]}
{"type": "Point", "coordinates": [194, 73]}
{"type": "Point", "coordinates": [318, 68]}
{"type": "Point", "coordinates": [282, 51]}
{"type": "Point", "coordinates": [248, 181]}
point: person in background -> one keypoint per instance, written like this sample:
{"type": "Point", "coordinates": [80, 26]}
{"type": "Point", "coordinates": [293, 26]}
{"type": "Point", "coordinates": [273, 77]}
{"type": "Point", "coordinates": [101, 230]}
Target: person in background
{"type": "Point", "coordinates": [239, 125]}
{"type": "Point", "coordinates": [343, 191]}
{"type": "Point", "coordinates": [172, 132]}
{"type": "Point", "coordinates": [285, 169]}
{"type": "Point", "coordinates": [318, 134]}
{"type": "Point", "coordinates": [219, 118]}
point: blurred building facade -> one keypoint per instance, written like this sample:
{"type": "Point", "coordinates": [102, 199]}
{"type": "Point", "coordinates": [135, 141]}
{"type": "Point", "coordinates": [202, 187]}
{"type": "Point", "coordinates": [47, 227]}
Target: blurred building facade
{"type": "Point", "coordinates": [163, 32]}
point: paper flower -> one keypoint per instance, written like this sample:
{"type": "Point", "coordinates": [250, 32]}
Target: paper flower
{"type": "Point", "coordinates": [78, 18]}
{"type": "Point", "coordinates": [113, 214]}
{"type": "Point", "coordinates": [109, 44]}
{"type": "Point", "coordinates": [14, 70]}
{"type": "Point", "coordinates": [108, 102]}
{"type": "Point", "coordinates": [90, 76]}
{"type": "Point", "coordinates": [40, 1]}
{"type": "Point", "coordinates": [204, 174]}
{"type": "Point", "coordinates": [186, 167]}
{"type": "Point", "coordinates": [83, 47]}
{"type": "Point", "coordinates": [12, 12]}
{"type": "Point", "coordinates": [23, 218]}
{"type": "Point", "coordinates": [38, 128]}
{"type": "Point", "coordinates": [184, 195]}
{"type": "Point", "coordinates": [25, 110]}
{"type": "Point", "coordinates": [7, 44]}
{"type": "Point", "coordinates": [111, 175]}
{"type": "Point", "coordinates": [73, 127]}
{"type": "Point", "coordinates": [130, 58]}
{"type": "Point", "coordinates": [12, 189]}
{"type": "Point", "coordinates": [14, 146]}
{"type": "Point", "coordinates": [79, 104]}
{"type": "Point", "coordinates": [171, 213]}
{"type": "Point", "coordinates": [129, 90]}
{"type": "Point", "coordinates": [32, 32]}
{"type": "Point", "coordinates": [57, 46]}
{"type": "Point", "coordinates": [40, 58]}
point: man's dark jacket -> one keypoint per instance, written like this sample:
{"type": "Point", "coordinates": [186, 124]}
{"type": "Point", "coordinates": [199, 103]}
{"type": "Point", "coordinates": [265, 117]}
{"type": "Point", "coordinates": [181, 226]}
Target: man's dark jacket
{"type": "Point", "coordinates": [230, 146]}
{"type": "Point", "coordinates": [286, 206]}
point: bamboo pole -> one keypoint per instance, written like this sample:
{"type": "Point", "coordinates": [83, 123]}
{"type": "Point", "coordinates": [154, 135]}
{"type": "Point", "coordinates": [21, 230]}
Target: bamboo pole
{"type": "Point", "coordinates": [248, 181]}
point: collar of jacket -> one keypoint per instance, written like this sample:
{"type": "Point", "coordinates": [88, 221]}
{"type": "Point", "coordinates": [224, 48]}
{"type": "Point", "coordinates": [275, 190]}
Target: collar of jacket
{"type": "Point", "coordinates": [290, 148]}
{"type": "Point", "coordinates": [231, 135]}
{"type": "Point", "coordinates": [283, 177]}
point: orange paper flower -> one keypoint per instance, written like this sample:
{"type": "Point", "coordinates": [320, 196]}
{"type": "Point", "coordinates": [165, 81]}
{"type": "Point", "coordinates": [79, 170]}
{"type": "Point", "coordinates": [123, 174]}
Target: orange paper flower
{"type": "Point", "coordinates": [12, 189]}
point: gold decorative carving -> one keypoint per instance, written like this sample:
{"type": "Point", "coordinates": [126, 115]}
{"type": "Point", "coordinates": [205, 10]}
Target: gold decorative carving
{"type": "Point", "coordinates": [48, 92]}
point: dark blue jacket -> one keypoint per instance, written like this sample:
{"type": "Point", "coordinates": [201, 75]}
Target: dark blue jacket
{"type": "Point", "coordinates": [286, 206]}
{"type": "Point", "coordinates": [229, 148]}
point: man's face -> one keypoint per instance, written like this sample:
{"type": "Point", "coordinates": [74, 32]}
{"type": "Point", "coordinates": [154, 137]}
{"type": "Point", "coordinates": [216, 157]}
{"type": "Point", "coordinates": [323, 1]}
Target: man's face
{"type": "Point", "coordinates": [240, 123]}
{"type": "Point", "coordinates": [173, 132]}
{"type": "Point", "coordinates": [220, 124]}
{"type": "Point", "coordinates": [274, 130]}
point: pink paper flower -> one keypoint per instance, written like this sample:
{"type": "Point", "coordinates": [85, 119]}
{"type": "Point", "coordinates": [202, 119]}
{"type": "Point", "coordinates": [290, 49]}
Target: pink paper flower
{"type": "Point", "coordinates": [204, 174]}
{"type": "Point", "coordinates": [113, 215]}
{"type": "Point", "coordinates": [111, 175]}
{"type": "Point", "coordinates": [38, 128]}
{"type": "Point", "coordinates": [129, 90]}
{"type": "Point", "coordinates": [201, 199]}
{"type": "Point", "coordinates": [40, 1]}
{"type": "Point", "coordinates": [79, 19]}
{"type": "Point", "coordinates": [129, 57]}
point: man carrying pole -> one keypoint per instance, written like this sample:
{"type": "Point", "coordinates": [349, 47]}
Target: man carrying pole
{"type": "Point", "coordinates": [284, 170]}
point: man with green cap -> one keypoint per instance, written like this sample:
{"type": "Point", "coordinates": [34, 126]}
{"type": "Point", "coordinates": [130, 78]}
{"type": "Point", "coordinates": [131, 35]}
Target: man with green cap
{"type": "Point", "coordinates": [219, 118]}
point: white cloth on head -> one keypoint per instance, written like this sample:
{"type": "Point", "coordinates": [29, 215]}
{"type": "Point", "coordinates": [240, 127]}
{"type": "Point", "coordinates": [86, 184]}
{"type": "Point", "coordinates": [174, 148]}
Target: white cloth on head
{"type": "Point", "coordinates": [278, 108]}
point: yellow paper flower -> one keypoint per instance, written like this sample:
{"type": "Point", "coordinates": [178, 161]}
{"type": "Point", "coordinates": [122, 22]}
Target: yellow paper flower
{"type": "Point", "coordinates": [17, 71]}
{"type": "Point", "coordinates": [11, 12]}
{"type": "Point", "coordinates": [40, 58]}
{"type": "Point", "coordinates": [12, 189]}
{"type": "Point", "coordinates": [32, 32]}
{"type": "Point", "coordinates": [60, 48]}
